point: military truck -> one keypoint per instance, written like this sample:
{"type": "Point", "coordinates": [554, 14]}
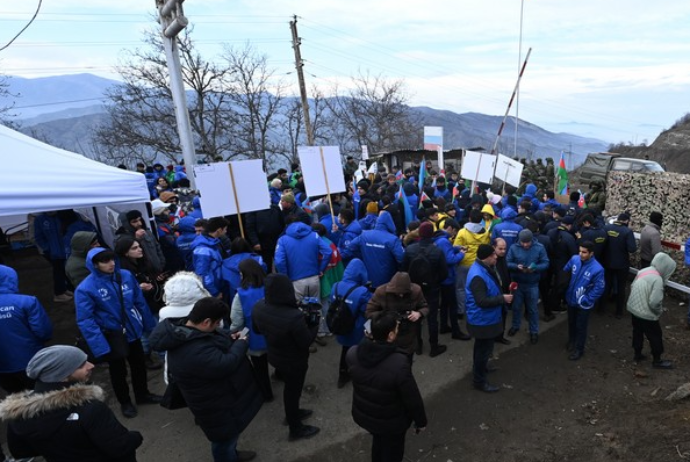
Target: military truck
{"type": "Point", "coordinates": [600, 165]}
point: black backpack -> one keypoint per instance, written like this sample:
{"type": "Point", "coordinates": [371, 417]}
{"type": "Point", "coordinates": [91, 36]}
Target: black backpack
{"type": "Point", "coordinates": [339, 318]}
{"type": "Point", "coordinates": [421, 270]}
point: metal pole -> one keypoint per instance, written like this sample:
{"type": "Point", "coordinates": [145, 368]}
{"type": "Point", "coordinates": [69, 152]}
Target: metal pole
{"type": "Point", "coordinates": [517, 100]}
{"type": "Point", "coordinates": [172, 55]}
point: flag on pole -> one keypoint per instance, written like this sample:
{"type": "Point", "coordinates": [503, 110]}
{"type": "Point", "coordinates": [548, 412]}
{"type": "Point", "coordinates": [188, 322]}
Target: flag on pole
{"type": "Point", "coordinates": [423, 197]}
{"type": "Point", "coordinates": [406, 205]}
{"type": "Point", "coordinates": [562, 176]}
{"type": "Point", "coordinates": [422, 175]}
{"type": "Point", "coordinates": [399, 175]}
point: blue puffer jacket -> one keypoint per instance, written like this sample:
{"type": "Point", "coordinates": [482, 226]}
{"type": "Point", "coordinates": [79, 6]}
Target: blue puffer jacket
{"type": "Point", "coordinates": [231, 271]}
{"type": "Point", "coordinates": [453, 255]}
{"type": "Point", "coordinates": [346, 234]}
{"type": "Point", "coordinates": [476, 315]}
{"type": "Point", "coordinates": [248, 298]}
{"type": "Point", "coordinates": [179, 173]}
{"type": "Point", "coordinates": [530, 191]}
{"type": "Point", "coordinates": [586, 282]}
{"type": "Point", "coordinates": [24, 324]}
{"type": "Point", "coordinates": [368, 222]}
{"type": "Point", "coordinates": [687, 252]}
{"type": "Point", "coordinates": [97, 301]}
{"type": "Point", "coordinates": [207, 263]}
{"type": "Point", "coordinates": [380, 250]}
{"type": "Point", "coordinates": [185, 239]}
{"type": "Point", "coordinates": [355, 276]}
{"type": "Point", "coordinates": [48, 236]}
{"type": "Point", "coordinates": [445, 193]}
{"type": "Point", "coordinates": [275, 195]}
{"type": "Point", "coordinates": [553, 202]}
{"type": "Point", "coordinates": [301, 253]}
{"type": "Point", "coordinates": [517, 255]}
{"type": "Point", "coordinates": [196, 213]}
{"type": "Point", "coordinates": [327, 221]}
{"type": "Point", "coordinates": [507, 229]}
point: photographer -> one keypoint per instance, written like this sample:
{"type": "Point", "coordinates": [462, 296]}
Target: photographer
{"type": "Point", "coordinates": [288, 337]}
{"type": "Point", "coordinates": [405, 298]}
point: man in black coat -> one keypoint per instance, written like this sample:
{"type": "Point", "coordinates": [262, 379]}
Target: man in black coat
{"type": "Point", "coordinates": [63, 418]}
{"type": "Point", "coordinates": [563, 247]}
{"type": "Point", "coordinates": [385, 397]}
{"type": "Point", "coordinates": [429, 278]}
{"type": "Point", "coordinates": [213, 374]}
{"type": "Point", "coordinates": [288, 338]}
{"type": "Point", "coordinates": [264, 227]}
{"type": "Point", "coordinates": [620, 243]}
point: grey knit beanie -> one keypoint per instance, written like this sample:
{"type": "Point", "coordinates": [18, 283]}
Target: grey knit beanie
{"type": "Point", "coordinates": [55, 363]}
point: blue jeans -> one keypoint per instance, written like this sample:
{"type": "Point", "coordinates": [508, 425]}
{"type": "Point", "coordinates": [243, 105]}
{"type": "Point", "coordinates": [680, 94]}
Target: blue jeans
{"type": "Point", "coordinates": [577, 327]}
{"type": "Point", "coordinates": [529, 295]}
{"type": "Point", "coordinates": [225, 451]}
{"type": "Point", "coordinates": [460, 280]}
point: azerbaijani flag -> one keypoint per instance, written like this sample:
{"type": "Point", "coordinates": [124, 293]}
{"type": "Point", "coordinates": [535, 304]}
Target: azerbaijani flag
{"type": "Point", "coordinates": [423, 197]}
{"type": "Point", "coordinates": [406, 205]}
{"type": "Point", "coordinates": [422, 176]}
{"type": "Point", "coordinates": [399, 175]}
{"type": "Point", "coordinates": [581, 201]}
{"type": "Point", "coordinates": [562, 176]}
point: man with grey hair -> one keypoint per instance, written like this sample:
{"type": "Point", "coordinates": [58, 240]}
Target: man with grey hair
{"type": "Point", "coordinates": [64, 418]}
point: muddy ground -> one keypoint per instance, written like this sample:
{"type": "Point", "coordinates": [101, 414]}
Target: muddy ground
{"type": "Point", "coordinates": [601, 408]}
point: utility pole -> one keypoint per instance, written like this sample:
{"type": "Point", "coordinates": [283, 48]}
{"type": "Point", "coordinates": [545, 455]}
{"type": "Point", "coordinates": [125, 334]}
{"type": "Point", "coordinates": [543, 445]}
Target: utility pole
{"type": "Point", "coordinates": [299, 64]}
{"type": "Point", "coordinates": [173, 21]}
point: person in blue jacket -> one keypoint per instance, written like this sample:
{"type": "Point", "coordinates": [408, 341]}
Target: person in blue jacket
{"type": "Point", "coordinates": [549, 198]}
{"type": "Point", "coordinates": [275, 190]}
{"type": "Point", "coordinates": [240, 249]}
{"type": "Point", "coordinates": [687, 263]}
{"type": "Point", "coordinates": [179, 173]}
{"type": "Point", "coordinates": [354, 280]}
{"type": "Point", "coordinates": [380, 250]}
{"type": "Point", "coordinates": [303, 256]}
{"type": "Point", "coordinates": [348, 229]}
{"type": "Point", "coordinates": [507, 229]}
{"type": "Point", "coordinates": [369, 220]}
{"type": "Point", "coordinates": [530, 195]}
{"type": "Point", "coordinates": [196, 206]}
{"type": "Point", "coordinates": [184, 241]}
{"type": "Point", "coordinates": [585, 288]}
{"type": "Point", "coordinates": [207, 255]}
{"type": "Point", "coordinates": [484, 302]}
{"type": "Point", "coordinates": [110, 299]}
{"type": "Point", "coordinates": [443, 239]}
{"type": "Point", "coordinates": [526, 261]}
{"type": "Point", "coordinates": [24, 328]}
{"type": "Point", "coordinates": [49, 238]}
{"type": "Point", "coordinates": [251, 290]}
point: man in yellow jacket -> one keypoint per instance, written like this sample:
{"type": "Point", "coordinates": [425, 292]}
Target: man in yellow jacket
{"type": "Point", "coordinates": [469, 238]}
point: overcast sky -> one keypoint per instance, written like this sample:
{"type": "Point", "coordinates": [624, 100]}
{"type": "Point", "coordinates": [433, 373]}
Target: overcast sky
{"type": "Point", "coordinates": [615, 69]}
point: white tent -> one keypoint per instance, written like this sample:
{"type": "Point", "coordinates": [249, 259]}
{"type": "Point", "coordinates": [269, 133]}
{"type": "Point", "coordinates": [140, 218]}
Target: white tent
{"type": "Point", "coordinates": [37, 177]}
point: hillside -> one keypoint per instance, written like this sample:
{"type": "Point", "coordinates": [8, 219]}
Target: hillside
{"type": "Point", "coordinates": [671, 148]}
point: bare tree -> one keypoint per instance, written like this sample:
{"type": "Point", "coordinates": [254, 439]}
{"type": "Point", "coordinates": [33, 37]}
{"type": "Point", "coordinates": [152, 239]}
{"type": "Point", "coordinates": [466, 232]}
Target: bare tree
{"type": "Point", "coordinates": [373, 112]}
{"type": "Point", "coordinates": [142, 123]}
{"type": "Point", "coordinates": [7, 103]}
{"type": "Point", "coordinates": [256, 96]}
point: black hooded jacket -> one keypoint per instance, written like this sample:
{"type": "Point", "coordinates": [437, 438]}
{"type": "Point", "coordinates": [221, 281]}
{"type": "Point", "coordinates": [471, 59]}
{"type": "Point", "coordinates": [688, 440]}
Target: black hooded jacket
{"type": "Point", "coordinates": [66, 423]}
{"type": "Point", "coordinates": [280, 320]}
{"type": "Point", "coordinates": [213, 374]}
{"type": "Point", "coordinates": [386, 399]}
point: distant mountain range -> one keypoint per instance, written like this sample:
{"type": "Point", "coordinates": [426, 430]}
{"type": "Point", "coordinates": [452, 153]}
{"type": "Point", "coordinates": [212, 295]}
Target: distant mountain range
{"type": "Point", "coordinates": [65, 109]}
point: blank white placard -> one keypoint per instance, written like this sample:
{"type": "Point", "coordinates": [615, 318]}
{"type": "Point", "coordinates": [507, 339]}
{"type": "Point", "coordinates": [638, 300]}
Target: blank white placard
{"type": "Point", "coordinates": [477, 166]}
{"type": "Point", "coordinates": [508, 170]}
{"type": "Point", "coordinates": [313, 170]}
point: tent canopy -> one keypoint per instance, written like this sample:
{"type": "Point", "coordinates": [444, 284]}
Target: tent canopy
{"type": "Point", "coordinates": [37, 177]}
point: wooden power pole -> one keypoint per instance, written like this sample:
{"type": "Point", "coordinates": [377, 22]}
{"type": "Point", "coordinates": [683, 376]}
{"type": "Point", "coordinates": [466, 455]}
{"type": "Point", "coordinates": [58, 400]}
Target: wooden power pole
{"type": "Point", "coordinates": [300, 77]}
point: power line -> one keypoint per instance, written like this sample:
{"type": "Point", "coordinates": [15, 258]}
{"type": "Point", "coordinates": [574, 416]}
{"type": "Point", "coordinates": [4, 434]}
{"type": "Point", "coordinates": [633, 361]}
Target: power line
{"type": "Point", "coordinates": [38, 8]}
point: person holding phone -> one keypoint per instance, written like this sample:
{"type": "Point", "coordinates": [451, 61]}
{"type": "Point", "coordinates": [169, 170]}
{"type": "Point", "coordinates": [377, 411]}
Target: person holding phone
{"type": "Point", "coordinates": [213, 374]}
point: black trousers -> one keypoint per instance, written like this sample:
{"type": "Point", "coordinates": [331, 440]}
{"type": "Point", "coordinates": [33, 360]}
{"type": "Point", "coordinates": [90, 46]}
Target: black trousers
{"type": "Point", "coordinates": [620, 278]}
{"type": "Point", "coordinates": [483, 348]}
{"type": "Point", "coordinates": [448, 308]}
{"type": "Point", "coordinates": [650, 329]}
{"type": "Point", "coordinates": [432, 299]}
{"type": "Point", "coordinates": [137, 366]}
{"type": "Point", "coordinates": [260, 365]}
{"type": "Point", "coordinates": [59, 276]}
{"type": "Point", "coordinates": [388, 448]}
{"type": "Point", "coordinates": [342, 367]}
{"type": "Point", "coordinates": [292, 392]}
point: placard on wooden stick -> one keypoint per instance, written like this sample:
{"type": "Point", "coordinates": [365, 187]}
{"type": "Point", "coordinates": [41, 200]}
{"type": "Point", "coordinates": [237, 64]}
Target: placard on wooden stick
{"type": "Point", "coordinates": [218, 189]}
{"type": "Point", "coordinates": [478, 167]}
{"type": "Point", "coordinates": [321, 177]}
{"type": "Point", "coordinates": [508, 170]}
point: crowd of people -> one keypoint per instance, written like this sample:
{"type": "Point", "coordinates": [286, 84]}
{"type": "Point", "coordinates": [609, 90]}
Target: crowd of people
{"type": "Point", "coordinates": [410, 256]}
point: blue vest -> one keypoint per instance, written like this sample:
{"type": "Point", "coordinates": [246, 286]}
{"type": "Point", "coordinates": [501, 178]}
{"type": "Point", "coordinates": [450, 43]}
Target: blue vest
{"type": "Point", "coordinates": [248, 298]}
{"type": "Point", "coordinates": [482, 316]}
